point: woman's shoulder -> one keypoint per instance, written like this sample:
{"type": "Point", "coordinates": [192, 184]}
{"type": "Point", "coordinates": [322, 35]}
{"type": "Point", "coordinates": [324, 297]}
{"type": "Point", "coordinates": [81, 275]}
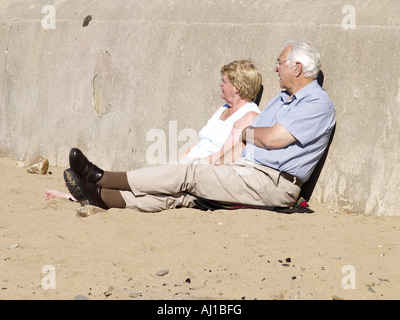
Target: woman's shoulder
{"type": "Point", "coordinates": [248, 107]}
{"type": "Point", "coordinates": [220, 110]}
{"type": "Point", "coordinates": [252, 106]}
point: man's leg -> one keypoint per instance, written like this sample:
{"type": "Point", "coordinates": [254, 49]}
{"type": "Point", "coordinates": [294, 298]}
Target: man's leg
{"type": "Point", "coordinates": [116, 193]}
{"type": "Point", "coordinates": [114, 180]}
{"type": "Point", "coordinates": [112, 183]}
{"type": "Point", "coordinates": [113, 198]}
{"type": "Point", "coordinates": [156, 203]}
{"type": "Point", "coordinates": [242, 182]}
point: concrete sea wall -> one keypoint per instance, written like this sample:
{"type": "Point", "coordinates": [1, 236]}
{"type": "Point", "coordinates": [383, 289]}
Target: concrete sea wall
{"type": "Point", "coordinates": [130, 82]}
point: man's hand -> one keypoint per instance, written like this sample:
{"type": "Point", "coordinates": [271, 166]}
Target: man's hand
{"type": "Point", "coordinates": [275, 137]}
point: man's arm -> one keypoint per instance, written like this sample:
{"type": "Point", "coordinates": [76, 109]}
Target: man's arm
{"type": "Point", "coordinates": [275, 137]}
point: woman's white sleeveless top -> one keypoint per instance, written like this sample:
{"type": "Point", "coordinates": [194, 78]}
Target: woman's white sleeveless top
{"type": "Point", "coordinates": [213, 135]}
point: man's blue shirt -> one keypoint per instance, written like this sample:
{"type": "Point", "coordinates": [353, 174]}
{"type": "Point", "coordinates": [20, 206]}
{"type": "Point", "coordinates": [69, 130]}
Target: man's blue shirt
{"type": "Point", "coordinates": [310, 117]}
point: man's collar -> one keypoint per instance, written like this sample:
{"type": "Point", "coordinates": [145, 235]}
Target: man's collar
{"type": "Point", "coordinates": [299, 94]}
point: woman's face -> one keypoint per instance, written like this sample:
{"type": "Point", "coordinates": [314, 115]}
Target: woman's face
{"type": "Point", "coordinates": [229, 91]}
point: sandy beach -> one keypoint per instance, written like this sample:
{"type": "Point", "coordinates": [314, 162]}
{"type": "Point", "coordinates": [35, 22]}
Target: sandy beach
{"type": "Point", "coordinates": [47, 252]}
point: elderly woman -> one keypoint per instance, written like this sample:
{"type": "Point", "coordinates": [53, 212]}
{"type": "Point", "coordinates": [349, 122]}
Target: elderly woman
{"type": "Point", "coordinates": [240, 83]}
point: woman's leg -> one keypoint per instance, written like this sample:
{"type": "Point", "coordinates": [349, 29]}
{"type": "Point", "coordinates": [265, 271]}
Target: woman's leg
{"type": "Point", "coordinates": [53, 194]}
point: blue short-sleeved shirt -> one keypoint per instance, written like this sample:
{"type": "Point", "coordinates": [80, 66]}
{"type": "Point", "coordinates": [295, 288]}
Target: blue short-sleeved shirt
{"type": "Point", "coordinates": [310, 117]}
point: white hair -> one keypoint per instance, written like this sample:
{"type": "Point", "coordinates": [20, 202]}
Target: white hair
{"type": "Point", "coordinates": [305, 53]}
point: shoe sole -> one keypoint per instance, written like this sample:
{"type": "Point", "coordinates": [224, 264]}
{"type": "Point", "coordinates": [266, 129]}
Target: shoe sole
{"type": "Point", "coordinates": [75, 188]}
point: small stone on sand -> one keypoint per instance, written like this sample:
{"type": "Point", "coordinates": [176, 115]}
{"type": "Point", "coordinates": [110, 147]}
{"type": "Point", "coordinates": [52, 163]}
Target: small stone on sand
{"type": "Point", "coordinates": [87, 211]}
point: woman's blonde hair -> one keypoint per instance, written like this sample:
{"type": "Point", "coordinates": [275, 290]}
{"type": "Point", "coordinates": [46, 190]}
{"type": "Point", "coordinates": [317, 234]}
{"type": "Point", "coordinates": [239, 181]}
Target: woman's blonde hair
{"type": "Point", "coordinates": [245, 77]}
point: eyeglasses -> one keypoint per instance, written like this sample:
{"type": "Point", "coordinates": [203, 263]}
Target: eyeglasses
{"type": "Point", "coordinates": [279, 63]}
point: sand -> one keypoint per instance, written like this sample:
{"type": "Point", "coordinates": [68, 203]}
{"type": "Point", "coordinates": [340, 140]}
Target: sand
{"type": "Point", "coordinates": [47, 252]}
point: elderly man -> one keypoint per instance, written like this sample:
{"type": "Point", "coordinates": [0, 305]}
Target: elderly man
{"type": "Point", "coordinates": [278, 153]}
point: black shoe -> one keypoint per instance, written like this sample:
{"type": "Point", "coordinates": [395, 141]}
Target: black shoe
{"type": "Point", "coordinates": [82, 166]}
{"type": "Point", "coordinates": [87, 193]}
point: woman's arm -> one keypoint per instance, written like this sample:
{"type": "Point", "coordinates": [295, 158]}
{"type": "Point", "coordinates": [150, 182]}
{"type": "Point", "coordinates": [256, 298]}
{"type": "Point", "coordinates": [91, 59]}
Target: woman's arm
{"type": "Point", "coordinates": [231, 145]}
{"type": "Point", "coordinates": [183, 155]}
{"type": "Point", "coordinates": [231, 155]}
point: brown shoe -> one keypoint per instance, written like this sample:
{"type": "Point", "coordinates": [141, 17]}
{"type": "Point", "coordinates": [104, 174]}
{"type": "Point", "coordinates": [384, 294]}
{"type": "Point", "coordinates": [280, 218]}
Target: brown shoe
{"type": "Point", "coordinates": [82, 166]}
{"type": "Point", "coordinates": [87, 193]}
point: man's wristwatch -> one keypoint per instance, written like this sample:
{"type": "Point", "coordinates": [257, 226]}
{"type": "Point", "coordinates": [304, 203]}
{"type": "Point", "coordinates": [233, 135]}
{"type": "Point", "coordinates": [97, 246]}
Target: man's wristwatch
{"type": "Point", "coordinates": [244, 134]}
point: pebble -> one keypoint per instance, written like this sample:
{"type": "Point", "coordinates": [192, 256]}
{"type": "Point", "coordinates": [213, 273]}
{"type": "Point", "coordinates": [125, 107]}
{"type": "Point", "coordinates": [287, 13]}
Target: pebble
{"type": "Point", "coordinates": [13, 246]}
{"type": "Point", "coordinates": [80, 297]}
{"type": "Point", "coordinates": [371, 289]}
{"type": "Point", "coordinates": [134, 294]}
{"type": "Point", "coordinates": [87, 211]}
{"type": "Point", "coordinates": [109, 291]}
{"type": "Point", "coordinates": [39, 165]}
{"type": "Point", "coordinates": [294, 296]}
{"type": "Point", "coordinates": [162, 272]}
{"type": "Point", "coordinates": [19, 164]}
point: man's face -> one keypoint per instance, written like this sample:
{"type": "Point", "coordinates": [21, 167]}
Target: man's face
{"type": "Point", "coordinates": [285, 71]}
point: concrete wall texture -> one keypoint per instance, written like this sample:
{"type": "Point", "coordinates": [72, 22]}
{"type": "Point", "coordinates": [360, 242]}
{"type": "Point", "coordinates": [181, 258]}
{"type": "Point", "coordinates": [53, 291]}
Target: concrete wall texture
{"type": "Point", "coordinates": [143, 75]}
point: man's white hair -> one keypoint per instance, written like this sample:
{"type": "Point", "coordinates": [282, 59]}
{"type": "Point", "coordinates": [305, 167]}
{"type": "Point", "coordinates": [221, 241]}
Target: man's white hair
{"type": "Point", "coordinates": [305, 53]}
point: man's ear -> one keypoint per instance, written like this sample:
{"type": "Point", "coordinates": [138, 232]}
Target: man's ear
{"type": "Point", "coordinates": [298, 69]}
